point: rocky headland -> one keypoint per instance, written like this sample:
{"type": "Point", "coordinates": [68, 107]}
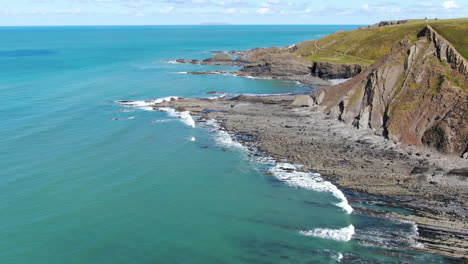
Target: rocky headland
{"type": "Point", "coordinates": [397, 129]}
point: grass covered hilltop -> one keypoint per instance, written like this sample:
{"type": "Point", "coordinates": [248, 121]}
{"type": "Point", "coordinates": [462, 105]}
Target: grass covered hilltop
{"type": "Point", "coordinates": [367, 45]}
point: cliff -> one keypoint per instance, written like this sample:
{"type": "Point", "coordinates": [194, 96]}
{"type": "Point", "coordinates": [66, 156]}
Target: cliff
{"type": "Point", "coordinates": [326, 70]}
{"type": "Point", "coordinates": [415, 94]}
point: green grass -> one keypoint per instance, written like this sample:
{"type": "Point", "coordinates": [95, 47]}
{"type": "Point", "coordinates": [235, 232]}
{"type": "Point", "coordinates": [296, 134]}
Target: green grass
{"type": "Point", "coordinates": [365, 46]}
{"type": "Point", "coordinates": [456, 33]}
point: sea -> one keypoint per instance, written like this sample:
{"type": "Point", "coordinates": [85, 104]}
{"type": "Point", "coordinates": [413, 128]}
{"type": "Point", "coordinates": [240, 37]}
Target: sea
{"type": "Point", "coordinates": [85, 178]}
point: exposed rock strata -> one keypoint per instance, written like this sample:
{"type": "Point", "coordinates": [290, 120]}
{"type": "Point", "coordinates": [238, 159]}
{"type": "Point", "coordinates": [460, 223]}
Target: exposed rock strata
{"type": "Point", "coordinates": [445, 51]}
{"type": "Point", "coordinates": [281, 66]}
{"type": "Point", "coordinates": [328, 70]}
{"type": "Point", "coordinates": [415, 94]}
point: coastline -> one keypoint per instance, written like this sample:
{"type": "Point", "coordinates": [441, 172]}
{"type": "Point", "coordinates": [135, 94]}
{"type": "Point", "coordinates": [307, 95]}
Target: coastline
{"type": "Point", "coordinates": [318, 135]}
{"type": "Point", "coordinates": [421, 181]}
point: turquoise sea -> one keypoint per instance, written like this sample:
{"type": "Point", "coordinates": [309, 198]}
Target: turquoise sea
{"type": "Point", "coordinates": [84, 179]}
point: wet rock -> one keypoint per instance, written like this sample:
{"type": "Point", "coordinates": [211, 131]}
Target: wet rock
{"type": "Point", "coordinates": [206, 72]}
{"type": "Point", "coordinates": [459, 172]}
{"type": "Point", "coordinates": [328, 70]}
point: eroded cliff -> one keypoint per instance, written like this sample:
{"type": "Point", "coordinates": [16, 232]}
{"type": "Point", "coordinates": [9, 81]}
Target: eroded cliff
{"type": "Point", "coordinates": [416, 94]}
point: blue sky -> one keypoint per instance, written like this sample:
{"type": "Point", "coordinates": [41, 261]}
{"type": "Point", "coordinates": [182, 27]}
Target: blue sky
{"type": "Point", "coordinates": [176, 12]}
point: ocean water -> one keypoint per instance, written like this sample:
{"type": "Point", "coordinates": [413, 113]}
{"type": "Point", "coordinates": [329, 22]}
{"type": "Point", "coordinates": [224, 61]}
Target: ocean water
{"type": "Point", "coordinates": [85, 179]}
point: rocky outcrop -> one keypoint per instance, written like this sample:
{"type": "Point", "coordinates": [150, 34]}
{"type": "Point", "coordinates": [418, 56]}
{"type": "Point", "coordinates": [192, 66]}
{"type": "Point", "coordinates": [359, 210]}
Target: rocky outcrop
{"type": "Point", "coordinates": [278, 65]}
{"type": "Point", "coordinates": [303, 100]}
{"type": "Point", "coordinates": [416, 94]}
{"type": "Point", "coordinates": [223, 59]}
{"type": "Point", "coordinates": [328, 70]}
{"type": "Point", "coordinates": [285, 66]}
{"type": "Point", "coordinates": [206, 72]}
{"type": "Point", "coordinates": [445, 51]}
{"type": "Point", "coordinates": [386, 23]}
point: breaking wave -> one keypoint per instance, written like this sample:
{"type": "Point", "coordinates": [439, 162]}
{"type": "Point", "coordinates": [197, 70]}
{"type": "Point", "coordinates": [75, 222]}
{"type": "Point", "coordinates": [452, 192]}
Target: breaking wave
{"type": "Point", "coordinates": [343, 234]}
{"type": "Point", "coordinates": [288, 173]}
{"type": "Point", "coordinates": [146, 104]}
{"type": "Point", "coordinates": [184, 116]}
{"type": "Point", "coordinates": [223, 138]}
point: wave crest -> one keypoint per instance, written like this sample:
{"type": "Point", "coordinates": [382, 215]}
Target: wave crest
{"type": "Point", "coordinates": [343, 234]}
{"type": "Point", "coordinates": [184, 116]}
{"type": "Point", "coordinates": [312, 181]}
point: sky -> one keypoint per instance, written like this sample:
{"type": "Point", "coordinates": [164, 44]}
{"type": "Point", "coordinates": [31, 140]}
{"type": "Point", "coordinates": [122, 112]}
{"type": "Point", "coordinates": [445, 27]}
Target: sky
{"type": "Point", "coordinates": [194, 12]}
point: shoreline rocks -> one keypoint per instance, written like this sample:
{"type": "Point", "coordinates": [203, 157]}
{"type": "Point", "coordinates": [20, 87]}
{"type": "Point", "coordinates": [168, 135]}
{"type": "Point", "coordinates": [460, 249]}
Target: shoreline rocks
{"type": "Point", "coordinates": [352, 159]}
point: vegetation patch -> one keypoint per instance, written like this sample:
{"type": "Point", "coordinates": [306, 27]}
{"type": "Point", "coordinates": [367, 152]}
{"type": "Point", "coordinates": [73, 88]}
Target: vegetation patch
{"type": "Point", "coordinates": [367, 45]}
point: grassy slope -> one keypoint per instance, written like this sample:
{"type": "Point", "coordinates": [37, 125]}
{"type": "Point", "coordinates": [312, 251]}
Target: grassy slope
{"type": "Point", "coordinates": [365, 46]}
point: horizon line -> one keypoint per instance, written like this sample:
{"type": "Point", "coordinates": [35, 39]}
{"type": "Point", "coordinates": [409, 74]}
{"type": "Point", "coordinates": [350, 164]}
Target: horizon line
{"type": "Point", "coordinates": [203, 25]}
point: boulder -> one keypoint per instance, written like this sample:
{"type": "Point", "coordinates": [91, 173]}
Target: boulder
{"type": "Point", "coordinates": [303, 100]}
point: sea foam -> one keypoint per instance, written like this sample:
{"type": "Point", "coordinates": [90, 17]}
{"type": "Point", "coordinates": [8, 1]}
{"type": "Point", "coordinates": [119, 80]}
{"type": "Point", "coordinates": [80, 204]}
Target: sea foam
{"type": "Point", "coordinates": [339, 257]}
{"type": "Point", "coordinates": [147, 104]}
{"type": "Point", "coordinates": [285, 172]}
{"type": "Point", "coordinates": [223, 138]}
{"type": "Point", "coordinates": [312, 181]}
{"type": "Point", "coordinates": [184, 116]}
{"type": "Point", "coordinates": [343, 234]}
{"type": "Point", "coordinates": [171, 61]}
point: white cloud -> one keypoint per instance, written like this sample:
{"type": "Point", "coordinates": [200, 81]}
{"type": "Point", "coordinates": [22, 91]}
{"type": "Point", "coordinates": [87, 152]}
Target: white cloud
{"type": "Point", "coordinates": [230, 11]}
{"type": "Point", "coordinates": [265, 10]}
{"type": "Point", "coordinates": [346, 12]}
{"type": "Point", "coordinates": [167, 10]}
{"type": "Point", "coordinates": [381, 8]}
{"type": "Point", "coordinates": [450, 4]}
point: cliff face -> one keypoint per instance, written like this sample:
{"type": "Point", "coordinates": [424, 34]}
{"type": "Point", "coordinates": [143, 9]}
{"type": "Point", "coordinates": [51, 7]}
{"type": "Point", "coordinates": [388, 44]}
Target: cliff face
{"type": "Point", "coordinates": [277, 65]}
{"type": "Point", "coordinates": [416, 94]}
{"type": "Point", "coordinates": [328, 70]}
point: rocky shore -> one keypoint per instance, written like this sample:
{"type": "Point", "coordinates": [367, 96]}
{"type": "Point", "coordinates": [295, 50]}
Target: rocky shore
{"type": "Point", "coordinates": [278, 63]}
{"type": "Point", "coordinates": [396, 130]}
{"type": "Point", "coordinates": [431, 185]}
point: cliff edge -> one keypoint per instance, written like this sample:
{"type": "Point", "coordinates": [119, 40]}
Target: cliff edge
{"type": "Point", "coordinates": [416, 94]}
